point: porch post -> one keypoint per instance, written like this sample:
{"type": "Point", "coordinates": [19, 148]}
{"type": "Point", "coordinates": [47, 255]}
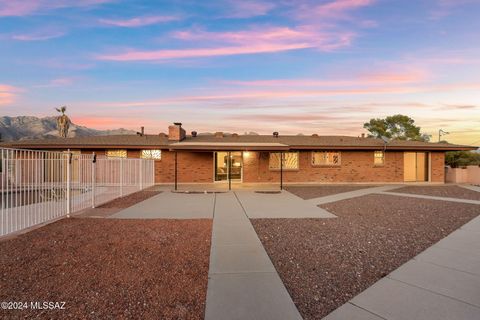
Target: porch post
{"type": "Point", "coordinates": [229, 163]}
{"type": "Point", "coordinates": [281, 170]}
{"type": "Point", "coordinates": [175, 170]}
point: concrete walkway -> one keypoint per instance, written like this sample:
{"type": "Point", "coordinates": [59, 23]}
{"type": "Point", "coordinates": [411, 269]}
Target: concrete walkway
{"type": "Point", "coordinates": [170, 205]}
{"type": "Point", "coordinates": [443, 282]}
{"type": "Point", "coordinates": [421, 196]}
{"type": "Point", "coordinates": [351, 194]}
{"type": "Point", "coordinates": [243, 283]}
{"type": "Point", "coordinates": [279, 205]}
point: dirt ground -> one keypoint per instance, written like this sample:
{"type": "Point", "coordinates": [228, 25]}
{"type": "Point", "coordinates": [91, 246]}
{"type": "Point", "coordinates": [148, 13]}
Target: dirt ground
{"type": "Point", "coordinates": [310, 192]}
{"type": "Point", "coordinates": [441, 191]}
{"type": "Point", "coordinates": [326, 262]}
{"type": "Point", "coordinates": [109, 269]}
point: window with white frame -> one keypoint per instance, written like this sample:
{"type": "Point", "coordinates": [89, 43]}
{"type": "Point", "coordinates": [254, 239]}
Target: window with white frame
{"type": "Point", "coordinates": [155, 154]}
{"type": "Point", "coordinates": [378, 158]}
{"type": "Point", "coordinates": [326, 158]}
{"type": "Point", "coordinates": [290, 161]}
{"type": "Point", "coordinates": [116, 153]}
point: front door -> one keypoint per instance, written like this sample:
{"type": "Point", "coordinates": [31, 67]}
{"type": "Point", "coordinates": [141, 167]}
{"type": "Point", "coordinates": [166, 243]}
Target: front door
{"type": "Point", "coordinates": [415, 166]}
{"type": "Point", "coordinates": [225, 166]}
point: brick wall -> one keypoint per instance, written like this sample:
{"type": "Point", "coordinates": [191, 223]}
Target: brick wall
{"type": "Point", "coordinates": [196, 167]}
{"type": "Point", "coordinates": [437, 166]}
{"type": "Point", "coordinates": [356, 166]}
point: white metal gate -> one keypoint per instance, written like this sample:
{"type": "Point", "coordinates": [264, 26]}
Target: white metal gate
{"type": "Point", "coordinates": [38, 186]}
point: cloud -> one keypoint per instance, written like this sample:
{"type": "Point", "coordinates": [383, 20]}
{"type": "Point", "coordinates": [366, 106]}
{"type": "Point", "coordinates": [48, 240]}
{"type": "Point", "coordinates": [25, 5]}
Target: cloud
{"type": "Point", "coordinates": [38, 36]}
{"type": "Point", "coordinates": [253, 41]}
{"type": "Point", "coordinates": [8, 94]}
{"type": "Point", "coordinates": [443, 8]}
{"type": "Point", "coordinates": [333, 10]}
{"type": "Point", "coordinates": [20, 8]}
{"type": "Point", "coordinates": [248, 8]}
{"type": "Point", "coordinates": [138, 21]}
{"type": "Point", "coordinates": [362, 80]}
{"type": "Point", "coordinates": [57, 82]}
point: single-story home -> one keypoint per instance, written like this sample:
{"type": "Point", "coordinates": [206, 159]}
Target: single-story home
{"type": "Point", "coordinates": [219, 157]}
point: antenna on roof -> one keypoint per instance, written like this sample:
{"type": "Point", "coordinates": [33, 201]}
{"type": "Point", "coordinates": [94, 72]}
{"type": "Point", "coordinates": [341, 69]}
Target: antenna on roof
{"type": "Point", "coordinates": [385, 142]}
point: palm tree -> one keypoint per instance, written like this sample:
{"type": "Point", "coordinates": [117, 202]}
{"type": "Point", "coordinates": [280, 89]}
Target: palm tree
{"type": "Point", "coordinates": [62, 110]}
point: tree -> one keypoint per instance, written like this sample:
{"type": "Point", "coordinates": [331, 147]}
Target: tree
{"type": "Point", "coordinates": [397, 127]}
{"type": "Point", "coordinates": [457, 159]}
{"type": "Point", "coordinates": [62, 110]}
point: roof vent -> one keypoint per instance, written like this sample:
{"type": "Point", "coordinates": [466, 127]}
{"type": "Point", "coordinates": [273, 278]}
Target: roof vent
{"type": "Point", "coordinates": [275, 134]}
{"type": "Point", "coordinates": [315, 135]}
{"type": "Point", "coordinates": [235, 135]}
{"type": "Point", "coordinates": [162, 134]}
{"type": "Point", "coordinates": [363, 135]}
{"type": "Point", "coordinates": [194, 134]}
{"type": "Point", "coordinates": [218, 134]}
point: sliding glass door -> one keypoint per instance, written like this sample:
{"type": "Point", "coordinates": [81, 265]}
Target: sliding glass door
{"type": "Point", "coordinates": [225, 166]}
{"type": "Point", "coordinates": [415, 166]}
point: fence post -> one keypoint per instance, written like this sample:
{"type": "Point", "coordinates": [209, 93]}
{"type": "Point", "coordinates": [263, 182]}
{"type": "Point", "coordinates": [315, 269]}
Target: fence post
{"type": "Point", "coordinates": [94, 167]}
{"type": "Point", "coordinates": [140, 173]}
{"type": "Point", "coordinates": [69, 200]}
{"type": "Point", "coordinates": [121, 177]}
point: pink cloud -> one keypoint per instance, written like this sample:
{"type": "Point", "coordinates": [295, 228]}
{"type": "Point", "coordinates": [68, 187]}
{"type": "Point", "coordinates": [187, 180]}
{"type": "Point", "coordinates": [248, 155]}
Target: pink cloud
{"type": "Point", "coordinates": [14, 8]}
{"type": "Point", "coordinates": [366, 79]}
{"type": "Point", "coordinates": [38, 36]}
{"type": "Point", "coordinates": [58, 82]}
{"type": "Point", "coordinates": [337, 9]}
{"type": "Point", "coordinates": [8, 94]}
{"type": "Point", "coordinates": [158, 55]}
{"type": "Point", "coordinates": [138, 21]}
{"type": "Point", "coordinates": [262, 40]}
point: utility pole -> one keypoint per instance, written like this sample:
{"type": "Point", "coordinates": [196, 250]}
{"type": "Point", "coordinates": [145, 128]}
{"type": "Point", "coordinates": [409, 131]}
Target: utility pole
{"type": "Point", "coordinates": [441, 133]}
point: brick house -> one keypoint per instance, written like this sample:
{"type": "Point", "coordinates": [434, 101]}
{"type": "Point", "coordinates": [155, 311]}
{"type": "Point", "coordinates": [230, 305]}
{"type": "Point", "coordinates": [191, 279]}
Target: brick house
{"type": "Point", "coordinates": [220, 157]}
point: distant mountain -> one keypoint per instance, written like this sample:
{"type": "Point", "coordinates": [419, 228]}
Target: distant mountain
{"type": "Point", "coordinates": [28, 127]}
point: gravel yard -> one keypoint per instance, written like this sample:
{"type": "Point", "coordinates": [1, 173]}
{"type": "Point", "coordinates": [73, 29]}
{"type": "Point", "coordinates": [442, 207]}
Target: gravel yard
{"type": "Point", "coordinates": [441, 191]}
{"type": "Point", "coordinates": [325, 262]}
{"type": "Point", "coordinates": [109, 269]}
{"type": "Point", "coordinates": [310, 192]}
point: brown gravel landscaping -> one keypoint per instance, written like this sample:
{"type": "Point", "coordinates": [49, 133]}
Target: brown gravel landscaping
{"type": "Point", "coordinates": [441, 191]}
{"type": "Point", "coordinates": [310, 192]}
{"type": "Point", "coordinates": [326, 262]}
{"type": "Point", "coordinates": [109, 269]}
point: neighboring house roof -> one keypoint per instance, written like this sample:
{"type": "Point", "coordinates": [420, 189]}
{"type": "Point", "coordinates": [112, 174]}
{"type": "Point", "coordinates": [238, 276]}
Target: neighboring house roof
{"type": "Point", "coordinates": [233, 142]}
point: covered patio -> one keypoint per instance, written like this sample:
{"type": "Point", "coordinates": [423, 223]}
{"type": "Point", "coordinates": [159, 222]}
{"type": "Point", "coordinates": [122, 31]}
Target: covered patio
{"type": "Point", "coordinates": [228, 164]}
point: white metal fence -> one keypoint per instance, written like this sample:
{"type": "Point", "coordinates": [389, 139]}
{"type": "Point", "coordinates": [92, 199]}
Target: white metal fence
{"type": "Point", "coordinates": [38, 186]}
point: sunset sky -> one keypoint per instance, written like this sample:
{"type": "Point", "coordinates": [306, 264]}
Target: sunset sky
{"type": "Point", "coordinates": [321, 67]}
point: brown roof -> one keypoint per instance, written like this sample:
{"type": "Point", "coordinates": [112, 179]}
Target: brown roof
{"type": "Point", "coordinates": [233, 142]}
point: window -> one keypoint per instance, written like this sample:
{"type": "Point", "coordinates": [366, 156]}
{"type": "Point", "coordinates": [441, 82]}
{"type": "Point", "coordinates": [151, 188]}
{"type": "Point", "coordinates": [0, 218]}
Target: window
{"type": "Point", "coordinates": [326, 158]}
{"type": "Point", "coordinates": [290, 161]}
{"type": "Point", "coordinates": [151, 154]}
{"type": "Point", "coordinates": [116, 153]}
{"type": "Point", "coordinates": [378, 158]}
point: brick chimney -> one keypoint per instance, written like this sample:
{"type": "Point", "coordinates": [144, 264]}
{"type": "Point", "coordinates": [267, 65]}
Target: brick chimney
{"type": "Point", "coordinates": [176, 132]}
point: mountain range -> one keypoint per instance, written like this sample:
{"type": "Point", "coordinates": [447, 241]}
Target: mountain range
{"type": "Point", "coordinates": [29, 127]}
